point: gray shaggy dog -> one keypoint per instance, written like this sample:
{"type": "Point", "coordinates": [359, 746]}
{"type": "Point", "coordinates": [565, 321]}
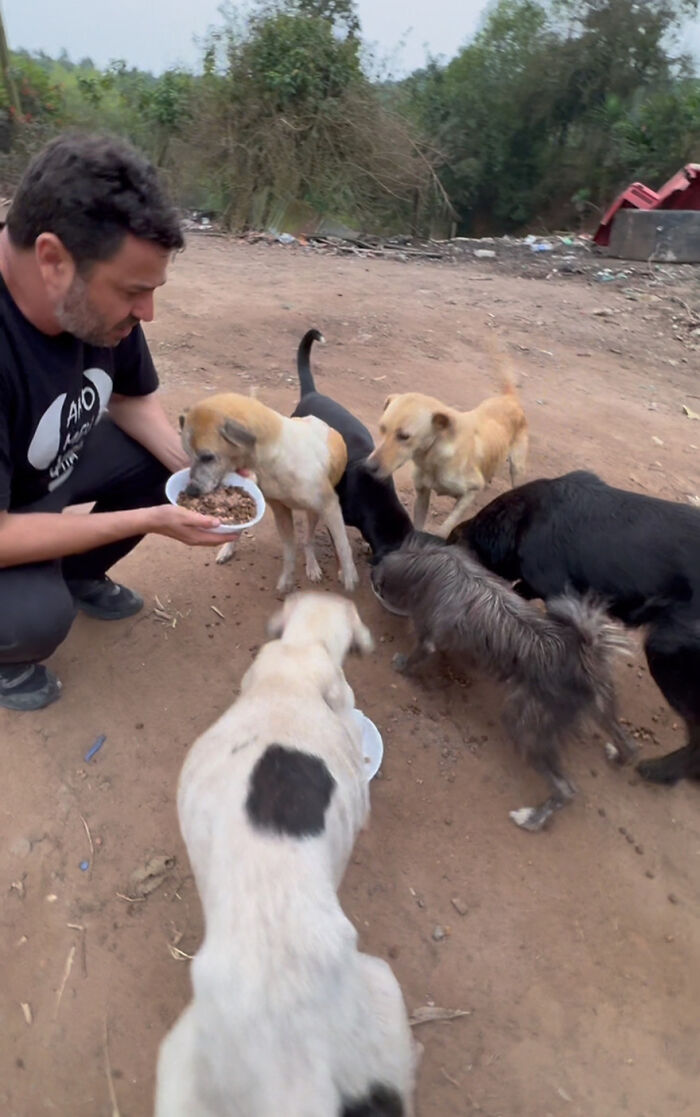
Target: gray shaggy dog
{"type": "Point", "coordinates": [557, 665]}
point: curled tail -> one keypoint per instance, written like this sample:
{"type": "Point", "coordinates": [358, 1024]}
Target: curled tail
{"type": "Point", "coordinates": [306, 380]}
{"type": "Point", "coordinates": [600, 637]}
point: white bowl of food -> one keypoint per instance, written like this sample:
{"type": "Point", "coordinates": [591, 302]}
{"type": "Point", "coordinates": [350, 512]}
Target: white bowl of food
{"type": "Point", "coordinates": [372, 744]}
{"type": "Point", "coordinates": [237, 501]}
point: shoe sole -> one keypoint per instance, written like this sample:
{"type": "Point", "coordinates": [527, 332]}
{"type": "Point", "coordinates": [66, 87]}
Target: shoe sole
{"type": "Point", "coordinates": [34, 700]}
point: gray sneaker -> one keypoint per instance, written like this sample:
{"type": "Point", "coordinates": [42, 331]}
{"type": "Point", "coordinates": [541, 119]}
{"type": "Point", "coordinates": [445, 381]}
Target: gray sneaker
{"type": "Point", "coordinates": [27, 686]}
{"type": "Point", "coordinates": [104, 599]}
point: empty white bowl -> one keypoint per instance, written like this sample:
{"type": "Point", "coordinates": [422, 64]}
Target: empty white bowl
{"type": "Point", "coordinates": [372, 744]}
{"type": "Point", "coordinates": [179, 481]}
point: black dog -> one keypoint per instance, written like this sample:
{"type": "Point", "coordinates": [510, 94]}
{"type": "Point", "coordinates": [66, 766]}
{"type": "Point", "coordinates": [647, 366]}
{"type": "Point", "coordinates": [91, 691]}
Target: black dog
{"type": "Point", "coordinates": [640, 553]}
{"type": "Point", "coordinates": [367, 503]}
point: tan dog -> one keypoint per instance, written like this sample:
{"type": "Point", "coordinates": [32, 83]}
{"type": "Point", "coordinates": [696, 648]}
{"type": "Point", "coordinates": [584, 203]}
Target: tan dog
{"type": "Point", "coordinates": [298, 463]}
{"type": "Point", "coordinates": [454, 453]}
{"type": "Point", "coordinates": [287, 1017]}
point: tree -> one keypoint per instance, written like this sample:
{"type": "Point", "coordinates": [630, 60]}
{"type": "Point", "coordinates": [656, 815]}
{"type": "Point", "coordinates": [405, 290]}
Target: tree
{"type": "Point", "coordinates": [6, 67]}
{"type": "Point", "coordinates": [541, 107]}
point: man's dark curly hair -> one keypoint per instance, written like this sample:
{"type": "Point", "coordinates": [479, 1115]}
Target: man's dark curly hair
{"type": "Point", "coordinates": [91, 191]}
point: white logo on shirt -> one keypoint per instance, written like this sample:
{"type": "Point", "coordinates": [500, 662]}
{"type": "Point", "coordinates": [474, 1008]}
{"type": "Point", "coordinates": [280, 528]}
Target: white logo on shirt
{"type": "Point", "coordinates": [59, 438]}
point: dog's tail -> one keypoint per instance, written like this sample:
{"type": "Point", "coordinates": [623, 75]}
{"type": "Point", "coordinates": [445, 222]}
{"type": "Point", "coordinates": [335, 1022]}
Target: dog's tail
{"type": "Point", "coordinates": [306, 380]}
{"type": "Point", "coordinates": [503, 363]}
{"type": "Point", "coordinates": [600, 638]}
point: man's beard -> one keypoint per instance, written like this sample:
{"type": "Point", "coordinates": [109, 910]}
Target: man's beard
{"type": "Point", "coordinates": [78, 316]}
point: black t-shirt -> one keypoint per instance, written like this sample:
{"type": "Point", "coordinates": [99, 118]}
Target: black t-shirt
{"type": "Point", "coordinates": [52, 392]}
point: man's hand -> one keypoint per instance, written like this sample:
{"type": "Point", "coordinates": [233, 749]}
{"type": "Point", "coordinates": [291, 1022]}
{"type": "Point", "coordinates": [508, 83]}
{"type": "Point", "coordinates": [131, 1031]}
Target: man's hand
{"type": "Point", "coordinates": [41, 536]}
{"type": "Point", "coordinates": [184, 525]}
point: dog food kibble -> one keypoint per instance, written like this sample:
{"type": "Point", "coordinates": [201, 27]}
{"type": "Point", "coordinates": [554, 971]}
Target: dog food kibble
{"type": "Point", "coordinates": [231, 505]}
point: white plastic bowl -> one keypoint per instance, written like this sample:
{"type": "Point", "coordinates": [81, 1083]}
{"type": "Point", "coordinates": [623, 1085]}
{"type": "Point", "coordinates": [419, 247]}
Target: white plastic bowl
{"type": "Point", "coordinates": [178, 482]}
{"type": "Point", "coordinates": [372, 744]}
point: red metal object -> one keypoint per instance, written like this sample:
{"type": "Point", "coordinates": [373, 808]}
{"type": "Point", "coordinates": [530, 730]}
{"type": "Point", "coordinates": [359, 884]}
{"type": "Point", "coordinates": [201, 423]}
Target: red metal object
{"type": "Point", "coordinates": [682, 191]}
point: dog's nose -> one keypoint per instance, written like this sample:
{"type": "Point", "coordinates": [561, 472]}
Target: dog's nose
{"type": "Point", "coordinates": [193, 489]}
{"type": "Point", "coordinates": [372, 466]}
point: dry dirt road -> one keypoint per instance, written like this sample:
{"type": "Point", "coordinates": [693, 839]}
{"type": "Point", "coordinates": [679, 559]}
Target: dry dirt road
{"type": "Point", "coordinates": [575, 951]}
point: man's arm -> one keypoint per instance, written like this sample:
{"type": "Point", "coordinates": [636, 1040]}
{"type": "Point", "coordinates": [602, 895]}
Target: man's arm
{"type": "Point", "coordinates": [144, 420]}
{"type": "Point", "coordinates": [40, 536]}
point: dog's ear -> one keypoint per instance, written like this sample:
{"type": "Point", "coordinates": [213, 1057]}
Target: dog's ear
{"type": "Point", "coordinates": [181, 419]}
{"type": "Point", "coordinates": [388, 400]}
{"type": "Point", "coordinates": [236, 434]}
{"type": "Point", "coordinates": [441, 421]}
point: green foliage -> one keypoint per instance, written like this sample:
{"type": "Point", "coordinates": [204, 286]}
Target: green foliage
{"type": "Point", "coordinates": [296, 61]}
{"type": "Point", "coordinates": [40, 98]}
{"type": "Point", "coordinates": [551, 108]}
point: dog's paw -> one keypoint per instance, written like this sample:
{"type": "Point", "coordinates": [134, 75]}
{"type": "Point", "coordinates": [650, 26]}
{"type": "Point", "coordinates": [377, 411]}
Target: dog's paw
{"type": "Point", "coordinates": [528, 818]}
{"type": "Point", "coordinates": [313, 570]}
{"type": "Point", "coordinates": [225, 553]}
{"type": "Point", "coordinates": [399, 662]}
{"type": "Point", "coordinates": [285, 585]}
{"type": "Point", "coordinates": [349, 578]}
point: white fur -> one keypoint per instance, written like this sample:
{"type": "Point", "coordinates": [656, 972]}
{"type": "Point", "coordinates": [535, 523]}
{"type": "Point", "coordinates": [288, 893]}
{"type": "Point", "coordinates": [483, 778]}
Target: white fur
{"type": "Point", "coordinates": [287, 1019]}
{"type": "Point", "coordinates": [522, 816]}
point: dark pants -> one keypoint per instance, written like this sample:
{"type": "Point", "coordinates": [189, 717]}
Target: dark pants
{"type": "Point", "coordinates": [36, 607]}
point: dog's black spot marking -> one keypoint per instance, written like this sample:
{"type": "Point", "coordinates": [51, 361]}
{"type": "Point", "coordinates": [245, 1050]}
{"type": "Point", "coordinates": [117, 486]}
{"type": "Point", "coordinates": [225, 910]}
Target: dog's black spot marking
{"type": "Point", "coordinates": [382, 1101]}
{"type": "Point", "coordinates": [289, 792]}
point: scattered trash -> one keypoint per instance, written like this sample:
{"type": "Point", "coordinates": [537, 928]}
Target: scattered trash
{"type": "Point", "coordinates": [83, 944]}
{"type": "Point", "coordinates": [286, 238]}
{"type": "Point", "coordinates": [439, 934]}
{"type": "Point", "coordinates": [27, 1012]}
{"type": "Point", "coordinates": [430, 1014]}
{"type": "Point", "coordinates": [691, 414]}
{"type": "Point", "coordinates": [92, 848]}
{"type": "Point", "coordinates": [607, 275]}
{"type": "Point", "coordinates": [110, 1077]}
{"type": "Point", "coordinates": [603, 312]}
{"type": "Point", "coordinates": [66, 974]}
{"type": "Point", "coordinates": [18, 887]}
{"type": "Point", "coordinates": [84, 866]}
{"type": "Point", "coordinates": [656, 440]}
{"type": "Point", "coordinates": [484, 254]}
{"type": "Point", "coordinates": [450, 1079]}
{"type": "Point", "coordinates": [542, 246]}
{"type": "Point", "coordinates": [217, 611]}
{"type": "Point", "coordinates": [459, 905]}
{"type": "Point", "coordinates": [95, 748]}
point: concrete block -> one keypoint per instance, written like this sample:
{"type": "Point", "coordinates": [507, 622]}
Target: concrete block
{"type": "Point", "coordinates": [668, 236]}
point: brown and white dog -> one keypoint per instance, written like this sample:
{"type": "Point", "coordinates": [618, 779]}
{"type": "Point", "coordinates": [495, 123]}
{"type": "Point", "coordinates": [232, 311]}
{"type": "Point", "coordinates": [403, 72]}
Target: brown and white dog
{"type": "Point", "coordinates": [454, 453]}
{"type": "Point", "coordinates": [287, 1018]}
{"type": "Point", "coordinates": [297, 462]}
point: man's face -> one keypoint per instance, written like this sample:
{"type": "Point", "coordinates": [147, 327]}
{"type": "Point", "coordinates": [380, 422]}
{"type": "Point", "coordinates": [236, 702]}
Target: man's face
{"type": "Point", "coordinates": [102, 307]}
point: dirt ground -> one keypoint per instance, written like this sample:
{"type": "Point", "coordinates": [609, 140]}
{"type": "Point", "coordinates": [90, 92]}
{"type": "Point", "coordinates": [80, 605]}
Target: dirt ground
{"type": "Point", "coordinates": [575, 951]}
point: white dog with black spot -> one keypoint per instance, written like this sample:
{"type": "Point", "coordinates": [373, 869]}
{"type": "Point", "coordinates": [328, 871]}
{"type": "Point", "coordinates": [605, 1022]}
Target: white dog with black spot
{"type": "Point", "coordinates": [287, 1018]}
